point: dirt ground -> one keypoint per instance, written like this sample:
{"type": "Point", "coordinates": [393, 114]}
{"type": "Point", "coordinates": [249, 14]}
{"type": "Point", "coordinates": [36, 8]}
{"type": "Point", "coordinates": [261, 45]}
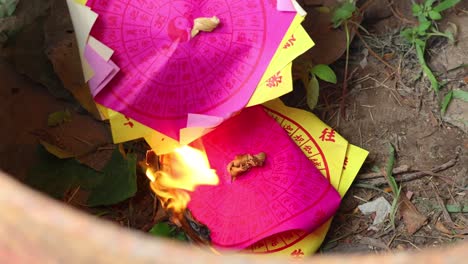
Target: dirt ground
{"type": "Point", "coordinates": [383, 105]}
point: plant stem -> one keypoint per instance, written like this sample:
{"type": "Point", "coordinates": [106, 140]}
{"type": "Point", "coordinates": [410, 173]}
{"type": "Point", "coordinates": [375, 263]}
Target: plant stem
{"type": "Point", "coordinates": [345, 77]}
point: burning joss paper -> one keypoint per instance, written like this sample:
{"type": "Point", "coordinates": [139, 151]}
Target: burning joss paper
{"type": "Point", "coordinates": [287, 193]}
{"type": "Point", "coordinates": [265, 180]}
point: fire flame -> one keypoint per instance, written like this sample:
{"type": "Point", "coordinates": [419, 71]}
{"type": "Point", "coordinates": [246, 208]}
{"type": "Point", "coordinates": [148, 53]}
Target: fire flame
{"type": "Point", "coordinates": [181, 171]}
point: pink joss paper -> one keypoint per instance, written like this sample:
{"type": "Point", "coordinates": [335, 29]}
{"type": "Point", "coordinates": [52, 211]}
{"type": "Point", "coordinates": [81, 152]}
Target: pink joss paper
{"type": "Point", "coordinates": [287, 193]}
{"type": "Point", "coordinates": [165, 74]}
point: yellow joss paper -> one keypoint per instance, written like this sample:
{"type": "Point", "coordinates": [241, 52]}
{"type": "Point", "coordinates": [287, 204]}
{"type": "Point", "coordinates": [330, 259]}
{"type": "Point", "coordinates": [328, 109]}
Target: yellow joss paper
{"type": "Point", "coordinates": [126, 129]}
{"type": "Point", "coordinates": [355, 157]}
{"type": "Point", "coordinates": [307, 130]}
{"type": "Point", "coordinates": [272, 85]}
{"type": "Point", "coordinates": [319, 142]}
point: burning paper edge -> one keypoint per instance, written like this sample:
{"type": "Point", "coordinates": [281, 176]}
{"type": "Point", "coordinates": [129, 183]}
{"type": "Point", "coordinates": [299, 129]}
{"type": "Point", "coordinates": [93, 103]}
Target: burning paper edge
{"type": "Point", "coordinates": [180, 172]}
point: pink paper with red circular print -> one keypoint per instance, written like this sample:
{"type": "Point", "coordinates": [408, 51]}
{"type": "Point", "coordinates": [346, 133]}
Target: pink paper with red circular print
{"type": "Point", "coordinates": [165, 74]}
{"type": "Point", "coordinates": [287, 193]}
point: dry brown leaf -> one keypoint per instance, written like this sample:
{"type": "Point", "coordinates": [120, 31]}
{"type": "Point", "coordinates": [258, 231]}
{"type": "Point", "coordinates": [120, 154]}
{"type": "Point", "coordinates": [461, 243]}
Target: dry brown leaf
{"type": "Point", "coordinates": [330, 43]}
{"type": "Point", "coordinates": [83, 138]}
{"type": "Point", "coordinates": [412, 218]}
{"type": "Point", "coordinates": [62, 51]}
{"type": "Point", "coordinates": [439, 226]}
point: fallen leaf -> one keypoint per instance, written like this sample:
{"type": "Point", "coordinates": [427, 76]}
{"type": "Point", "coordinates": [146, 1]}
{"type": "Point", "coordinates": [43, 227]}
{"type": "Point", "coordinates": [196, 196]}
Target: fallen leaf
{"type": "Point", "coordinates": [380, 206]}
{"type": "Point", "coordinates": [330, 43]}
{"type": "Point", "coordinates": [439, 226]}
{"type": "Point", "coordinates": [118, 182]}
{"type": "Point", "coordinates": [56, 151]}
{"type": "Point", "coordinates": [84, 138]}
{"type": "Point", "coordinates": [55, 176]}
{"type": "Point", "coordinates": [412, 218]}
{"type": "Point", "coordinates": [114, 184]}
{"type": "Point", "coordinates": [59, 117]}
{"type": "Point", "coordinates": [62, 51]}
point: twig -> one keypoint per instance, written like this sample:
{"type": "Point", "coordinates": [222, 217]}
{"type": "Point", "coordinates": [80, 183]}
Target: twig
{"type": "Point", "coordinates": [371, 175]}
{"type": "Point", "coordinates": [73, 194]}
{"type": "Point", "coordinates": [410, 176]}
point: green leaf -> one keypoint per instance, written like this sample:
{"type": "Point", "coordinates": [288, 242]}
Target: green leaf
{"type": "Point", "coordinates": [181, 236]}
{"type": "Point", "coordinates": [434, 15]}
{"type": "Point", "coordinates": [445, 102]}
{"type": "Point", "coordinates": [312, 92]}
{"type": "Point", "coordinates": [445, 5]}
{"type": "Point", "coordinates": [423, 26]}
{"type": "Point", "coordinates": [7, 7]}
{"type": "Point", "coordinates": [55, 176]}
{"type": "Point", "coordinates": [324, 72]}
{"type": "Point", "coordinates": [59, 117]}
{"type": "Point", "coordinates": [460, 94]}
{"type": "Point", "coordinates": [416, 9]}
{"type": "Point", "coordinates": [428, 4]}
{"type": "Point", "coordinates": [343, 13]}
{"type": "Point", "coordinates": [452, 208]}
{"type": "Point", "coordinates": [118, 182]}
{"type": "Point", "coordinates": [162, 230]}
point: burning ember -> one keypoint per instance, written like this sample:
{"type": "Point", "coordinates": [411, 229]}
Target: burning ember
{"type": "Point", "coordinates": [174, 177]}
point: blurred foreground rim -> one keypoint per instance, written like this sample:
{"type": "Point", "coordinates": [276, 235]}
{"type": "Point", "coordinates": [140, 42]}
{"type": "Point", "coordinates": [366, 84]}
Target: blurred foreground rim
{"type": "Point", "coordinates": [37, 229]}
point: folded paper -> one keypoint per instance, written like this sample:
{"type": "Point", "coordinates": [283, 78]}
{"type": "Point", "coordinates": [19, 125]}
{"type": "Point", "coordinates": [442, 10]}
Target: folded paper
{"type": "Point", "coordinates": [103, 70]}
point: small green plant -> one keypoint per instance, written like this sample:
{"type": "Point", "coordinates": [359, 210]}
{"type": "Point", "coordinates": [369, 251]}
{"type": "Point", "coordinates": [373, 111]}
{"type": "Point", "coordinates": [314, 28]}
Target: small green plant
{"type": "Point", "coordinates": [396, 190]}
{"type": "Point", "coordinates": [342, 16]}
{"type": "Point", "coordinates": [427, 14]}
{"type": "Point", "coordinates": [343, 13]}
{"type": "Point", "coordinates": [320, 71]}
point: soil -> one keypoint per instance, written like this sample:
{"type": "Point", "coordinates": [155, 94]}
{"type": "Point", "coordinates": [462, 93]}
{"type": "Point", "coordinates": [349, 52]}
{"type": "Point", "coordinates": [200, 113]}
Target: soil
{"type": "Point", "coordinates": [382, 106]}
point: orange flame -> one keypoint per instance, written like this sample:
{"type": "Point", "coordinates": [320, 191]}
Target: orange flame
{"type": "Point", "coordinates": [182, 171]}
